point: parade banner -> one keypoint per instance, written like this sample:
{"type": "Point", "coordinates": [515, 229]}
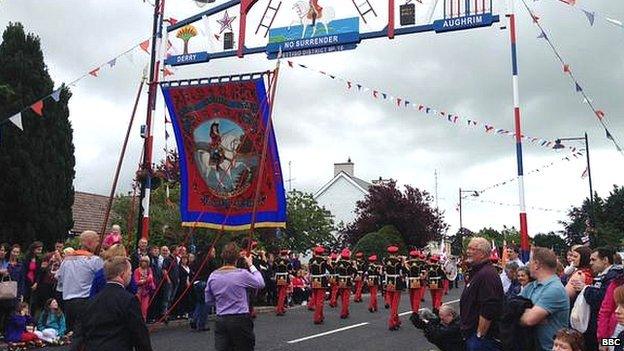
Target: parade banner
{"type": "Point", "coordinates": [220, 130]}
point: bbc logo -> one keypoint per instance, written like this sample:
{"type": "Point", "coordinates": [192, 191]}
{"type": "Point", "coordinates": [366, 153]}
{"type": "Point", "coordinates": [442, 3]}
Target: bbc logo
{"type": "Point", "coordinates": [611, 342]}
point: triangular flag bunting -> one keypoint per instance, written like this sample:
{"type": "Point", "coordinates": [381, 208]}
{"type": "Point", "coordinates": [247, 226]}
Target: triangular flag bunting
{"type": "Point", "coordinates": [566, 68]}
{"type": "Point", "coordinates": [17, 120]}
{"type": "Point", "coordinates": [290, 63]}
{"type": "Point", "coordinates": [614, 21]}
{"type": "Point", "coordinates": [348, 85]}
{"type": "Point", "coordinates": [112, 62]}
{"type": "Point", "coordinates": [166, 135]}
{"type": "Point", "coordinates": [542, 35]}
{"type": "Point", "coordinates": [535, 18]}
{"type": "Point", "coordinates": [600, 114]}
{"type": "Point", "coordinates": [172, 21]}
{"type": "Point", "coordinates": [407, 102]}
{"type": "Point", "coordinates": [167, 72]}
{"type": "Point", "coordinates": [398, 101]}
{"type": "Point", "coordinates": [56, 95]}
{"type": "Point", "coordinates": [359, 86]}
{"type": "Point", "coordinates": [609, 136]}
{"type": "Point", "coordinates": [578, 88]}
{"type": "Point", "coordinates": [145, 46]}
{"type": "Point", "coordinates": [385, 96]}
{"type": "Point", "coordinates": [585, 173]}
{"type": "Point", "coordinates": [375, 94]}
{"type": "Point", "coordinates": [94, 72]}
{"type": "Point", "coordinates": [590, 16]}
{"type": "Point", "coordinates": [38, 107]}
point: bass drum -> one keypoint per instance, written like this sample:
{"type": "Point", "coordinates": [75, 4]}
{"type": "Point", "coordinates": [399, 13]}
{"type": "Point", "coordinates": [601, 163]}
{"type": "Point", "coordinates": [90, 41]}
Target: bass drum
{"type": "Point", "coordinates": [450, 268]}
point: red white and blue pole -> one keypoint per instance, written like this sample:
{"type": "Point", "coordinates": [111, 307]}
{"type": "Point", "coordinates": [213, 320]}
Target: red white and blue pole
{"type": "Point", "coordinates": [524, 234]}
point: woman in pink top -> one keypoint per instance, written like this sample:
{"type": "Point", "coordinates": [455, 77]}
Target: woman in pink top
{"type": "Point", "coordinates": [32, 266]}
{"type": "Point", "coordinates": [114, 237]}
{"type": "Point", "coordinates": [144, 278]}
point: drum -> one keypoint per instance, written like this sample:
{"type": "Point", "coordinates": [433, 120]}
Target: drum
{"type": "Point", "coordinates": [372, 280]}
{"type": "Point", "coordinates": [391, 287]}
{"type": "Point", "coordinates": [415, 283]}
{"type": "Point", "coordinates": [281, 279]}
{"type": "Point", "coordinates": [332, 279]}
{"type": "Point", "coordinates": [316, 284]}
{"type": "Point", "coordinates": [435, 283]}
{"type": "Point", "coordinates": [343, 282]}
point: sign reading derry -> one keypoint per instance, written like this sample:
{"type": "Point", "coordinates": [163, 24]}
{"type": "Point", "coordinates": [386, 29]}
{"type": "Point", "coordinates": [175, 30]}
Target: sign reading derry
{"type": "Point", "coordinates": [307, 27]}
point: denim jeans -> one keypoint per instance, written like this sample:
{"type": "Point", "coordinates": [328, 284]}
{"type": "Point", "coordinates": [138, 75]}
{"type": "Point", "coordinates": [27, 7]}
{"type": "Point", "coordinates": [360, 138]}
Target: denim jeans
{"type": "Point", "coordinates": [200, 314]}
{"type": "Point", "coordinates": [482, 344]}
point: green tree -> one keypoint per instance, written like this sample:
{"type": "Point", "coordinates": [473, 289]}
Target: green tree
{"type": "Point", "coordinates": [373, 243]}
{"type": "Point", "coordinates": [36, 164]}
{"type": "Point", "coordinates": [307, 224]}
{"type": "Point", "coordinates": [551, 241]}
{"type": "Point", "coordinates": [603, 222]}
{"type": "Point", "coordinates": [409, 211]}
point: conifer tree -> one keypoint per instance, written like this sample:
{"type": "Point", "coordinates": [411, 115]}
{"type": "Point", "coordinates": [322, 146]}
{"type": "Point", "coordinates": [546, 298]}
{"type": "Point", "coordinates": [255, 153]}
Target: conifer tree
{"type": "Point", "coordinates": [36, 164]}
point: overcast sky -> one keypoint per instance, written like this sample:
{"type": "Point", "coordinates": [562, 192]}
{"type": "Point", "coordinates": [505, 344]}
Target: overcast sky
{"type": "Point", "coordinates": [318, 122]}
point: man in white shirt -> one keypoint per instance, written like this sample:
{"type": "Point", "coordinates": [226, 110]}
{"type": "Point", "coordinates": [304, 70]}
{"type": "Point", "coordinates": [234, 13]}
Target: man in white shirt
{"type": "Point", "coordinates": [512, 253]}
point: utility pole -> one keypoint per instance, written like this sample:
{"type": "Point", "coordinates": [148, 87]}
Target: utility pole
{"type": "Point", "coordinates": [146, 167]}
{"type": "Point", "coordinates": [435, 173]}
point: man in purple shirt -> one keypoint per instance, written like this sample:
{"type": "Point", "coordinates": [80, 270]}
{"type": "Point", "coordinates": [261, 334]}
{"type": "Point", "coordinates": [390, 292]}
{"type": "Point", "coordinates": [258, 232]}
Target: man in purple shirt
{"type": "Point", "coordinates": [226, 289]}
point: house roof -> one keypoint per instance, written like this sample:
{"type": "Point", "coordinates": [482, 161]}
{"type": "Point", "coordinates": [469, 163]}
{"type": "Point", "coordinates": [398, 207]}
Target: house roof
{"type": "Point", "coordinates": [360, 184]}
{"type": "Point", "coordinates": [88, 211]}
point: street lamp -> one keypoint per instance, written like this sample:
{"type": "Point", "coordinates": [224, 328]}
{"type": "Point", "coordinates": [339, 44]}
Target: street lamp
{"type": "Point", "coordinates": [475, 194]}
{"type": "Point", "coordinates": [559, 145]}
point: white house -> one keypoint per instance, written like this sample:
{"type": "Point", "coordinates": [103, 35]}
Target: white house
{"type": "Point", "coordinates": [341, 194]}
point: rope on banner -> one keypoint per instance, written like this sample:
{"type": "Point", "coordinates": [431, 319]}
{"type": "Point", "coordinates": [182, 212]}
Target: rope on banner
{"type": "Point", "coordinates": [499, 203]}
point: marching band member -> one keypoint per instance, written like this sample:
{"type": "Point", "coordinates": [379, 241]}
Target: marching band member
{"type": "Point", "coordinates": [394, 284]}
{"type": "Point", "coordinates": [345, 270]}
{"type": "Point", "coordinates": [360, 266]}
{"type": "Point", "coordinates": [282, 279]}
{"type": "Point", "coordinates": [435, 275]}
{"type": "Point", "coordinates": [373, 272]}
{"type": "Point", "coordinates": [333, 280]}
{"type": "Point", "coordinates": [318, 267]}
{"type": "Point", "coordinates": [415, 267]}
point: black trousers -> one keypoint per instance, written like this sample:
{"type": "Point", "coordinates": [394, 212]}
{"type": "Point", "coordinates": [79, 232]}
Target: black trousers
{"type": "Point", "coordinates": [234, 332]}
{"type": "Point", "coordinates": [75, 310]}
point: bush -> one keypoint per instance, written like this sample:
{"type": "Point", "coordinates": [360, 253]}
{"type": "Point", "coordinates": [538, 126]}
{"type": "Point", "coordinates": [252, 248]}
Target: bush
{"type": "Point", "coordinates": [393, 236]}
{"type": "Point", "coordinates": [373, 243]}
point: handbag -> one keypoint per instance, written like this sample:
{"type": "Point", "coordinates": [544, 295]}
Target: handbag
{"type": "Point", "coordinates": [8, 288]}
{"type": "Point", "coordinates": [579, 317]}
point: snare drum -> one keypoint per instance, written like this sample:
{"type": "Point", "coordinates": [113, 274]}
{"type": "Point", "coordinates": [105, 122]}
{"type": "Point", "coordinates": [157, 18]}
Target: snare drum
{"type": "Point", "coordinates": [281, 278]}
{"type": "Point", "coordinates": [435, 283]}
{"type": "Point", "coordinates": [414, 283]}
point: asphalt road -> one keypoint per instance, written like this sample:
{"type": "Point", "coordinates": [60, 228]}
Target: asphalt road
{"type": "Point", "coordinates": [295, 331]}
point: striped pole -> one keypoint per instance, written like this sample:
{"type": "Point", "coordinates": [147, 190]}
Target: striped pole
{"type": "Point", "coordinates": [146, 184]}
{"type": "Point", "coordinates": [524, 235]}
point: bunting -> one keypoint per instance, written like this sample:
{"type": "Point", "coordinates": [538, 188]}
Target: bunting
{"type": "Point", "coordinates": [17, 120]}
{"type": "Point", "coordinates": [591, 15]}
{"type": "Point", "coordinates": [37, 107]}
{"type": "Point", "coordinates": [406, 103]}
{"type": "Point", "coordinates": [600, 114]}
{"type": "Point", "coordinates": [55, 95]}
{"type": "Point", "coordinates": [500, 203]}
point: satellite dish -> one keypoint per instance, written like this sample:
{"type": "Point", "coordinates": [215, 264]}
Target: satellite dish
{"type": "Point", "coordinates": [202, 3]}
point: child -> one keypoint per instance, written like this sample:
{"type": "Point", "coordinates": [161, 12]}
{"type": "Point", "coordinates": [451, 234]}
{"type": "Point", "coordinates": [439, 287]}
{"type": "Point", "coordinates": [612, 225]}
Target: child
{"type": "Point", "coordinates": [618, 296]}
{"type": "Point", "coordinates": [51, 323]}
{"type": "Point", "coordinates": [568, 340]}
{"type": "Point", "coordinates": [20, 328]}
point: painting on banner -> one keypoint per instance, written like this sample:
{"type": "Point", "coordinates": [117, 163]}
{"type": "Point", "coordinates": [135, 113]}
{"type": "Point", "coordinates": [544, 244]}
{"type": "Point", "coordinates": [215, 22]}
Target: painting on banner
{"type": "Point", "coordinates": [221, 131]}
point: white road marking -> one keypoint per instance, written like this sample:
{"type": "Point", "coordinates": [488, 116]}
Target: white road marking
{"type": "Point", "coordinates": [348, 327]}
{"type": "Point", "coordinates": [327, 333]}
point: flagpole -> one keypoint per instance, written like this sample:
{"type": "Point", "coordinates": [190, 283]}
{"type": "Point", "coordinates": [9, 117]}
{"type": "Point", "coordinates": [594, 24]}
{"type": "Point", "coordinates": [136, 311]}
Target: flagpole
{"type": "Point", "coordinates": [524, 235]}
{"type": "Point", "coordinates": [146, 167]}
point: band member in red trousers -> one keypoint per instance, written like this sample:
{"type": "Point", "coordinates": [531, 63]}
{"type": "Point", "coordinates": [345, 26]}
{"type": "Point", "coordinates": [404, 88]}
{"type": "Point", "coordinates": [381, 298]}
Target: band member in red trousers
{"type": "Point", "coordinates": [393, 269]}
{"type": "Point", "coordinates": [282, 279]}
{"type": "Point", "coordinates": [373, 273]}
{"type": "Point", "coordinates": [435, 275]}
{"type": "Point", "coordinates": [360, 265]}
{"type": "Point", "coordinates": [415, 267]}
{"type": "Point", "coordinates": [318, 280]}
{"type": "Point", "coordinates": [345, 270]}
{"type": "Point", "coordinates": [333, 280]}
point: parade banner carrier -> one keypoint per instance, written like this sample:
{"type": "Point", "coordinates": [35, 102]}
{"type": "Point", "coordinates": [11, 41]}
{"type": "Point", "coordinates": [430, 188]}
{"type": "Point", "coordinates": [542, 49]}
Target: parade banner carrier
{"type": "Point", "coordinates": [220, 132]}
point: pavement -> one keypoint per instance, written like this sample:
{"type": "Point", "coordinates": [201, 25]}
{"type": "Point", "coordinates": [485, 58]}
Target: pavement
{"type": "Point", "coordinates": [295, 331]}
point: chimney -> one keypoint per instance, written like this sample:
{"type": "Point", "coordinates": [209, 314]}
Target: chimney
{"type": "Point", "coordinates": [346, 167]}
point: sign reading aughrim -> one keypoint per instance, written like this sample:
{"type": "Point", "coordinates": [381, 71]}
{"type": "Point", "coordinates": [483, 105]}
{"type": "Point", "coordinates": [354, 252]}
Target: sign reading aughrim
{"type": "Point", "coordinates": [457, 23]}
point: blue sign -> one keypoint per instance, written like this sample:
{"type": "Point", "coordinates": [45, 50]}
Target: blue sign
{"type": "Point", "coordinates": [187, 59]}
{"type": "Point", "coordinates": [467, 22]}
{"type": "Point", "coordinates": [337, 35]}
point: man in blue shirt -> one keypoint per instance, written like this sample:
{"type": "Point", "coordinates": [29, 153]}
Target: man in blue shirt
{"type": "Point", "coordinates": [551, 305]}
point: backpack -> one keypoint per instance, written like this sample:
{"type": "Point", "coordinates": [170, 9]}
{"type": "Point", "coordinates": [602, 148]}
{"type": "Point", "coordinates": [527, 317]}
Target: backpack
{"type": "Point", "coordinates": [513, 335]}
